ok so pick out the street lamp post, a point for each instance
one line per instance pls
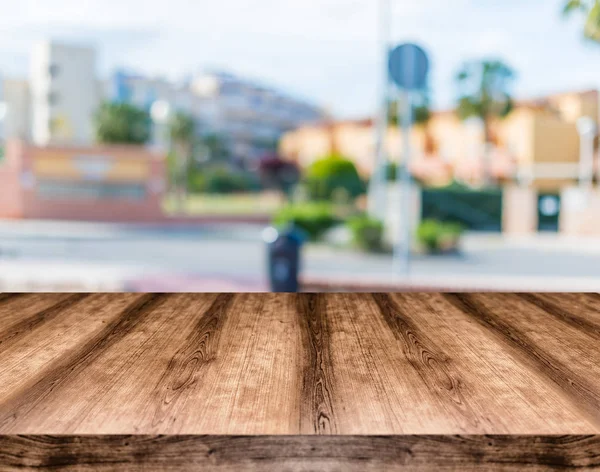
(377, 185)
(160, 112)
(587, 132)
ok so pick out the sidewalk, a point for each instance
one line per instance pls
(83, 256)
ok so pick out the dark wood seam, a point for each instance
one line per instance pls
(15, 332)
(65, 368)
(575, 388)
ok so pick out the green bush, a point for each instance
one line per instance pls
(333, 176)
(437, 236)
(314, 218)
(391, 171)
(221, 180)
(367, 233)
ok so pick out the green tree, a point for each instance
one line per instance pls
(121, 123)
(591, 10)
(484, 92)
(334, 177)
(215, 147)
(182, 131)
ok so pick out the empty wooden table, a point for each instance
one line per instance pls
(300, 381)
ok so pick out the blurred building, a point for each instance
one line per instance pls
(150, 94)
(249, 116)
(537, 143)
(106, 183)
(15, 109)
(64, 93)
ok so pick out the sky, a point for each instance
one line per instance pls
(325, 51)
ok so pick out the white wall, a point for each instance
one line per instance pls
(64, 92)
(17, 122)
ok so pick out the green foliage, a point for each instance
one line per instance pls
(216, 148)
(474, 209)
(314, 218)
(330, 177)
(367, 233)
(121, 123)
(218, 180)
(437, 236)
(484, 89)
(591, 10)
(182, 128)
(392, 170)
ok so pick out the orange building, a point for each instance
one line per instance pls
(528, 144)
(100, 183)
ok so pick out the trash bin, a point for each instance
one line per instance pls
(283, 252)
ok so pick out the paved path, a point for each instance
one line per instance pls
(151, 257)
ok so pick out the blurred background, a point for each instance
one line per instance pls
(202, 146)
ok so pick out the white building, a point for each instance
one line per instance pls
(64, 93)
(17, 114)
(58, 103)
(147, 92)
(250, 116)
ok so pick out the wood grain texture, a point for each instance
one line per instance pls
(300, 453)
(300, 364)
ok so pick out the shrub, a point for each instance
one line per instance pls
(278, 173)
(221, 180)
(367, 233)
(333, 175)
(313, 218)
(437, 236)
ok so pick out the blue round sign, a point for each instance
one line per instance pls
(408, 66)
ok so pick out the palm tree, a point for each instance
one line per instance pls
(421, 116)
(484, 93)
(591, 9)
(182, 130)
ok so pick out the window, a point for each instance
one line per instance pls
(53, 98)
(90, 190)
(53, 70)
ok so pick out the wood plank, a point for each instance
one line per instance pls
(566, 355)
(314, 364)
(20, 314)
(32, 399)
(476, 377)
(37, 349)
(300, 453)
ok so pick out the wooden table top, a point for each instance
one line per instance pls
(272, 364)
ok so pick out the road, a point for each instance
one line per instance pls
(107, 255)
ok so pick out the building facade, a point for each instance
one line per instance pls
(249, 116)
(64, 93)
(100, 183)
(15, 109)
(537, 143)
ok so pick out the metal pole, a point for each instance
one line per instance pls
(403, 241)
(587, 132)
(377, 184)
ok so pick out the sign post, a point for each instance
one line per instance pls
(408, 67)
